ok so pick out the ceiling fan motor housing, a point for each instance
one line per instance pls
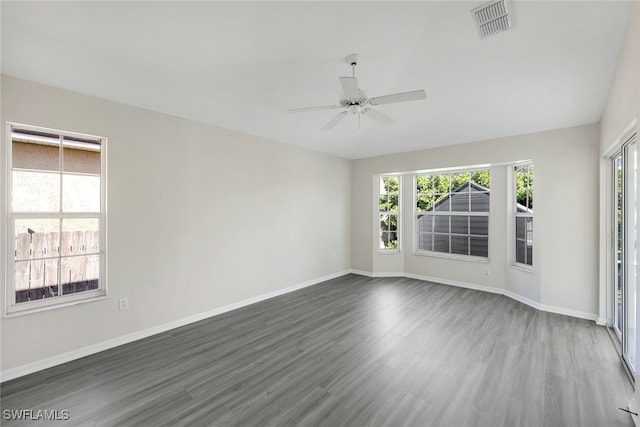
(350, 102)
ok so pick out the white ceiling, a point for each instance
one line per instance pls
(241, 65)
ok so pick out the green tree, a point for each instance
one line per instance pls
(431, 189)
(524, 185)
(388, 202)
(389, 194)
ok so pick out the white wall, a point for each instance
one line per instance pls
(619, 121)
(623, 103)
(198, 218)
(565, 223)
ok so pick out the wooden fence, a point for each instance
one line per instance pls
(37, 259)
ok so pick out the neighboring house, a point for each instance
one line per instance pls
(461, 196)
(458, 233)
(524, 235)
(440, 232)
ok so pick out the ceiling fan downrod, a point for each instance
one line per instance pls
(353, 61)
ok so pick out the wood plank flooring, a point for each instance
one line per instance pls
(353, 351)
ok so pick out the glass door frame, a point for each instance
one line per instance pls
(617, 242)
(621, 160)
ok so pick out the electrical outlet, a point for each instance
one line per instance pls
(124, 303)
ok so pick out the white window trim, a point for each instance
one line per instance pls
(515, 214)
(383, 251)
(11, 308)
(424, 252)
(460, 257)
(522, 267)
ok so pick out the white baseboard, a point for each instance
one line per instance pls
(539, 306)
(552, 308)
(520, 298)
(59, 359)
(362, 272)
(399, 274)
(454, 283)
(569, 312)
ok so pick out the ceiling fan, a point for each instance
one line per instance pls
(355, 101)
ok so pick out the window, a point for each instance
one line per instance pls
(389, 213)
(56, 217)
(452, 213)
(523, 175)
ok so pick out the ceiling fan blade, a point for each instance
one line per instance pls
(322, 107)
(335, 120)
(398, 97)
(350, 87)
(379, 117)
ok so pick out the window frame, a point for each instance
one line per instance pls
(397, 213)
(515, 214)
(416, 212)
(11, 307)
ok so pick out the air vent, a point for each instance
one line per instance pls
(492, 18)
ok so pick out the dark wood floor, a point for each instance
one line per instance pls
(353, 351)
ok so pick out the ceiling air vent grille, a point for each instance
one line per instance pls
(492, 18)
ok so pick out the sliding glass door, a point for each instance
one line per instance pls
(618, 278)
(629, 155)
(625, 231)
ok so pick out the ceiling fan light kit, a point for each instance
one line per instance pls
(356, 102)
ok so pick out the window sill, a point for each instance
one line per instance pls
(470, 258)
(23, 309)
(389, 251)
(523, 267)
